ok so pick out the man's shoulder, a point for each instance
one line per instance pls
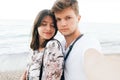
(88, 41)
(88, 36)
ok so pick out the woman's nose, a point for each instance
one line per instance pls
(48, 27)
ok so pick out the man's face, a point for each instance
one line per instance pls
(67, 21)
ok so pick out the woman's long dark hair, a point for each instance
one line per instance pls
(35, 42)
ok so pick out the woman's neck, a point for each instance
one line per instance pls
(40, 49)
(41, 44)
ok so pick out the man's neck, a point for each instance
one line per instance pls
(69, 39)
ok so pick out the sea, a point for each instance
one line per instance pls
(15, 36)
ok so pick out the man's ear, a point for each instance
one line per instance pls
(79, 17)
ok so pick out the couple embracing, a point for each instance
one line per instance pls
(53, 60)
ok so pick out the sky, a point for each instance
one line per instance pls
(99, 11)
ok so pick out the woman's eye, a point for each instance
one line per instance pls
(43, 24)
(52, 25)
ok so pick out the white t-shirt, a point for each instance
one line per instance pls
(74, 68)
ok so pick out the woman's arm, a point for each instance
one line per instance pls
(24, 75)
(53, 60)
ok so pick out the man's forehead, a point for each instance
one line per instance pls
(64, 13)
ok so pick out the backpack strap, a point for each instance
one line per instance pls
(41, 68)
(71, 46)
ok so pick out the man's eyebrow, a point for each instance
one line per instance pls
(58, 18)
(43, 21)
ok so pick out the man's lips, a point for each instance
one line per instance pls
(64, 29)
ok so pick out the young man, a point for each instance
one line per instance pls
(84, 49)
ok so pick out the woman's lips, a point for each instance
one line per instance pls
(48, 33)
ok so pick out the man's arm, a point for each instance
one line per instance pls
(93, 60)
(98, 67)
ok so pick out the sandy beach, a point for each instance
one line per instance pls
(108, 70)
(11, 75)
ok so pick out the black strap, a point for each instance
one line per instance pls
(71, 46)
(41, 69)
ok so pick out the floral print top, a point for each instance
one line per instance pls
(53, 62)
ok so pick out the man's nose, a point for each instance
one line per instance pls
(63, 23)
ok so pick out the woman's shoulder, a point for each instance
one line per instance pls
(54, 43)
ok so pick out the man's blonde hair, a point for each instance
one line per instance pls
(59, 5)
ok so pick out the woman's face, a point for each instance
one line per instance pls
(46, 30)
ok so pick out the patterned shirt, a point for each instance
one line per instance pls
(53, 61)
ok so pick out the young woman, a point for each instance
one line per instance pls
(46, 52)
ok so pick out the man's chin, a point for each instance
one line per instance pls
(66, 35)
